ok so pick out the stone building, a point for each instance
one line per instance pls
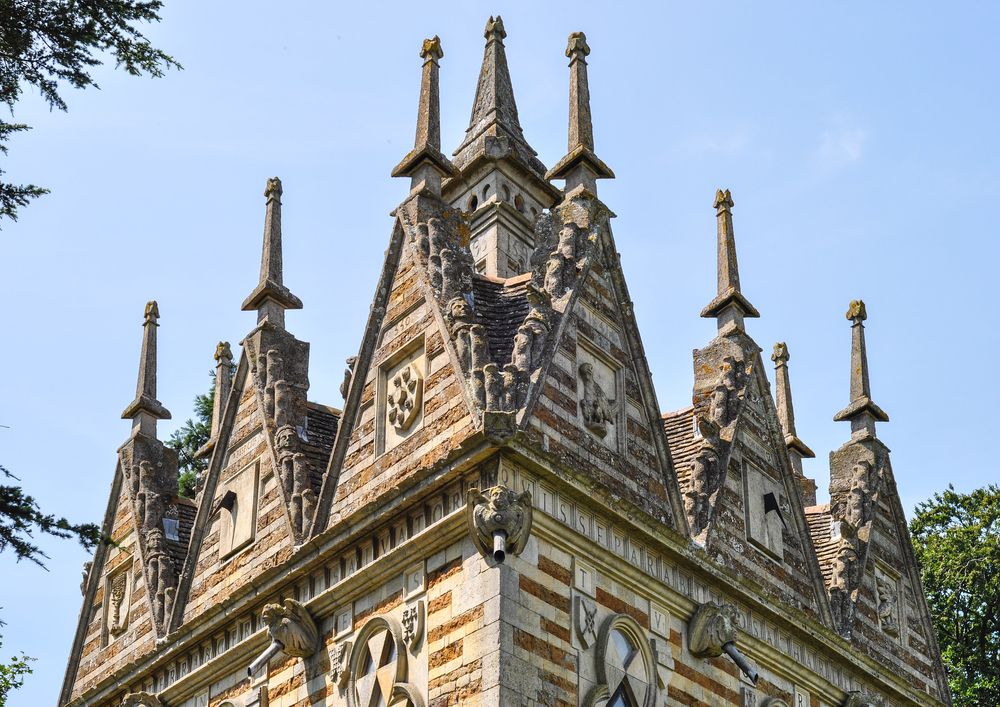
(501, 513)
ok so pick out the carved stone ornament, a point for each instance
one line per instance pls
(585, 620)
(291, 625)
(141, 699)
(339, 666)
(403, 397)
(859, 699)
(413, 625)
(499, 521)
(119, 601)
(887, 604)
(625, 665)
(712, 632)
(597, 409)
(378, 667)
(710, 628)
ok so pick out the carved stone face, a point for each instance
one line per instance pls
(459, 310)
(587, 372)
(285, 438)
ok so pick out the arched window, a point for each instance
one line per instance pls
(626, 668)
(473, 203)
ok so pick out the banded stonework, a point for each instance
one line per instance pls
(500, 513)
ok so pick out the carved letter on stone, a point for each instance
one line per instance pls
(403, 398)
(597, 409)
(499, 521)
(291, 625)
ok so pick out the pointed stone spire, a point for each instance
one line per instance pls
(729, 306)
(494, 128)
(425, 165)
(223, 385)
(797, 449)
(271, 298)
(145, 410)
(862, 412)
(580, 165)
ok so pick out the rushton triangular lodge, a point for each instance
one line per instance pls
(501, 514)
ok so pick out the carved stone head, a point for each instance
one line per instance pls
(286, 439)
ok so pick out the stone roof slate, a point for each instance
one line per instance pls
(501, 306)
(321, 429)
(679, 426)
(818, 518)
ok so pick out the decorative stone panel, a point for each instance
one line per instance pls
(401, 396)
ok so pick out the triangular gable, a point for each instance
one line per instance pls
(741, 495)
(243, 526)
(873, 578)
(116, 621)
(411, 401)
(591, 402)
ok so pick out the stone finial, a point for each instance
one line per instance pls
(494, 29)
(271, 298)
(729, 307)
(431, 49)
(580, 166)
(494, 127)
(424, 164)
(862, 412)
(145, 410)
(797, 449)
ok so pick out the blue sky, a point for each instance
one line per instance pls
(859, 141)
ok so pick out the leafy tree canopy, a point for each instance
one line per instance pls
(47, 43)
(957, 540)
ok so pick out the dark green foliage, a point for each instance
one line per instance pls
(957, 540)
(187, 440)
(46, 43)
(20, 518)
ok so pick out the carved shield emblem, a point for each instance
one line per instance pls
(403, 397)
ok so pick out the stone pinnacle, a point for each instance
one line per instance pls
(145, 410)
(580, 166)
(797, 449)
(729, 307)
(424, 164)
(271, 298)
(862, 412)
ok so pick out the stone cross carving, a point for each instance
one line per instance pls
(597, 408)
(499, 521)
(291, 625)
